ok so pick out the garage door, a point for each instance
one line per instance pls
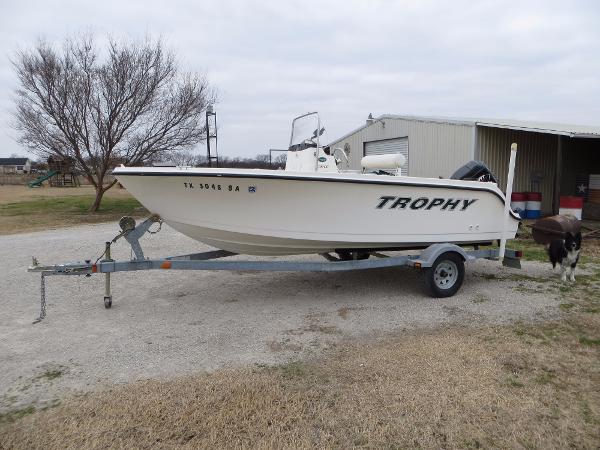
(398, 145)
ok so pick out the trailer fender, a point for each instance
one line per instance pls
(430, 254)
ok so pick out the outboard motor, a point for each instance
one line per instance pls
(474, 171)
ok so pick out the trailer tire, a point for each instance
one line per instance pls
(445, 277)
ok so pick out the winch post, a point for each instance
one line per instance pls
(133, 236)
(107, 294)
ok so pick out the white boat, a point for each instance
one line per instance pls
(314, 207)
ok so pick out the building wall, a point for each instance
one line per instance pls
(536, 152)
(8, 169)
(439, 148)
(26, 168)
(435, 148)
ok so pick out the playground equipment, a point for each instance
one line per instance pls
(65, 168)
(61, 173)
(39, 180)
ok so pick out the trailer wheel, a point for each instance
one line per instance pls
(107, 302)
(445, 277)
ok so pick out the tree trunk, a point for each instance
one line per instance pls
(99, 193)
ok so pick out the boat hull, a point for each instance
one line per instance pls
(278, 213)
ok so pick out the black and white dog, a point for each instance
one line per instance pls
(566, 253)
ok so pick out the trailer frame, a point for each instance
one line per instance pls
(430, 259)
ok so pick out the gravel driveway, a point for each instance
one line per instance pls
(165, 324)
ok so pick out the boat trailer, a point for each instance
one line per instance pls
(443, 263)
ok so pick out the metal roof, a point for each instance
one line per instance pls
(574, 131)
(13, 161)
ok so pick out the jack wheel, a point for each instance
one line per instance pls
(445, 277)
(107, 302)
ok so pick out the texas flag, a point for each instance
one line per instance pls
(582, 186)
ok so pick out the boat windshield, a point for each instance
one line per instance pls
(306, 130)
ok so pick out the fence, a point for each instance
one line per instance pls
(16, 179)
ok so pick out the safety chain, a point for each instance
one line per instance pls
(43, 280)
(42, 299)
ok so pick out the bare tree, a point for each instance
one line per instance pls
(280, 160)
(262, 158)
(128, 107)
(185, 157)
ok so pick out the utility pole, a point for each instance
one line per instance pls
(211, 113)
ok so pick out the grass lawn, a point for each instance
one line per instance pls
(27, 210)
(532, 251)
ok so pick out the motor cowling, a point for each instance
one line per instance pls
(474, 171)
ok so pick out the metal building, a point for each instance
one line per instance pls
(550, 159)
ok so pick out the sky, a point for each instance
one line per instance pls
(273, 60)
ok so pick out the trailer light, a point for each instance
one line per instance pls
(417, 265)
(519, 254)
(165, 265)
(94, 268)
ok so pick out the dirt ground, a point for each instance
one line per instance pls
(10, 194)
(276, 360)
(430, 389)
(172, 323)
